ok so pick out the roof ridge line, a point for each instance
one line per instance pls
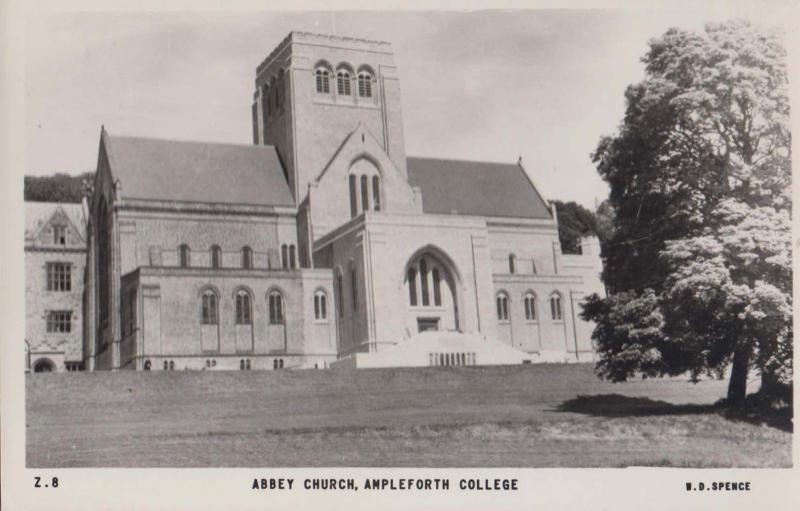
(460, 160)
(183, 141)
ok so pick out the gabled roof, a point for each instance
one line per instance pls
(171, 170)
(476, 188)
(37, 214)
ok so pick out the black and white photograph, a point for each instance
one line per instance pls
(312, 245)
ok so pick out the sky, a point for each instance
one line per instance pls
(484, 85)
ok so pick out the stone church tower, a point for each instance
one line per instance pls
(313, 90)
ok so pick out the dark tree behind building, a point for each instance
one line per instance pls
(575, 221)
(59, 187)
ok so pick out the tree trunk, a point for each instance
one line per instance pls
(737, 387)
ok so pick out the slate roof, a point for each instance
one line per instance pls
(170, 170)
(476, 188)
(38, 213)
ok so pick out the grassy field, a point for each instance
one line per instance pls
(520, 416)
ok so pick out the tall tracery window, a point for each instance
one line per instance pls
(364, 174)
(323, 81)
(364, 85)
(555, 307)
(429, 289)
(530, 306)
(243, 309)
(247, 258)
(209, 312)
(437, 287)
(216, 257)
(376, 193)
(353, 196)
(423, 282)
(184, 255)
(412, 286)
(343, 83)
(502, 306)
(275, 308)
(364, 193)
(320, 305)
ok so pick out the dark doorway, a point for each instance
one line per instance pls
(425, 324)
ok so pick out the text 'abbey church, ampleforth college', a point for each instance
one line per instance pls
(321, 245)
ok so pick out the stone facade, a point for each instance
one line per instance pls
(55, 261)
(348, 249)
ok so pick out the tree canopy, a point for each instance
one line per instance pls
(59, 187)
(698, 260)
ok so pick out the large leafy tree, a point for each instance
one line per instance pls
(698, 262)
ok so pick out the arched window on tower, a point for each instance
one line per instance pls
(284, 256)
(292, 257)
(502, 307)
(184, 256)
(555, 307)
(247, 258)
(376, 193)
(275, 308)
(216, 256)
(364, 85)
(512, 263)
(323, 80)
(343, 83)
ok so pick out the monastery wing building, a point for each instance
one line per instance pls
(323, 244)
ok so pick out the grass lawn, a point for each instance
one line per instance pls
(515, 416)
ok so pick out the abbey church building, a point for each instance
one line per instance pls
(323, 244)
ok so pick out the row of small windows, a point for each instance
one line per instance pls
(529, 302)
(209, 309)
(288, 257)
(344, 80)
(370, 195)
(451, 359)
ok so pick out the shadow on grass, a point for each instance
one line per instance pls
(616, 405)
